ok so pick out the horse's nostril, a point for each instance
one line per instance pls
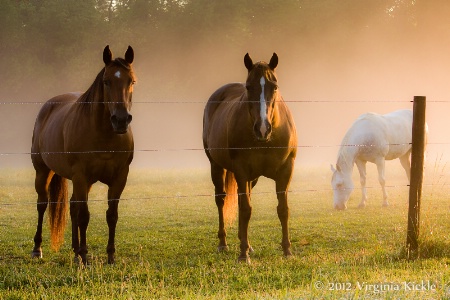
(269, 127)
(255, 127)
(123, 120)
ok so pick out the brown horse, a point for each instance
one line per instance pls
(248, 132)
(85, 138)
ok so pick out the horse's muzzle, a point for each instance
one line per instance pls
(120, 122)
(340, 206)
(262, 130)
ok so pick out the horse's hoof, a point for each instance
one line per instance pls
(78, 259)
(385, 204)
(111, 259)
(244, 259)
(362, 205)
(287, 253)
(36, 254)
(222, 248)
(250, 249)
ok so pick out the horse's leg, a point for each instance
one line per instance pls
(362, 179)
(74, 210)
(245, 212)
(81, 214)
(282, 185)
(218, 178)
(406, 164)
(381, 178)
(75, 228)
(42, 179)
(114, 192)
(254, 182)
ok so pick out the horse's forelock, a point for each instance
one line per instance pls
(122, 62)
(255, 80)
(260, 69)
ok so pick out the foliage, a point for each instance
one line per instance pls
(44, 41)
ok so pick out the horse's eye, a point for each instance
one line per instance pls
(106, 82)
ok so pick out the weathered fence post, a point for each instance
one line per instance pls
(415, 188)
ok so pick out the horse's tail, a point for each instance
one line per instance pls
(57, 210)
(231, 203)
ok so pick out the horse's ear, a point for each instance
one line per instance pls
(248, 62)
(129, 55)
(273, 61)
(332, 168)
(107, 55)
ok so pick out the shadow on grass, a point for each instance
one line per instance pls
(434, 249)
(430, 249)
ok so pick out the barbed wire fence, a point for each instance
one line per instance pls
(7, 154)
(195, 149)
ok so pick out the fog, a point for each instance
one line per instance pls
(331, 76)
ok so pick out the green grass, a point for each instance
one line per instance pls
(166, 243)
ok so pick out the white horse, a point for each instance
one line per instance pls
(374, 138)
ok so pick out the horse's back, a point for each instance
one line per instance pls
(389, 134)
(396, 126)
(56, 105)
(400, 120)
(54, 110)
(399, 133)
(49, 125)
(397, 122)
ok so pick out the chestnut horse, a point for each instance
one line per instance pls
(248, 132)
(85, 138)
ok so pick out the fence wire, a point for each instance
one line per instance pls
(207, 195)
(39, 103)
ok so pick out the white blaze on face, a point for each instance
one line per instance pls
(263, 108)
(117, 74)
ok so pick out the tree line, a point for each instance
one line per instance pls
(51, 46)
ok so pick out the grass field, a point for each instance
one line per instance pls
(166, 243)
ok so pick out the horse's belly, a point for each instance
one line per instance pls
(397, 151)
(107, 171)
(220, 155)
(251, 162)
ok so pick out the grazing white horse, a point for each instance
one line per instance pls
(374, 138)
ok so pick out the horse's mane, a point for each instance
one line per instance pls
(345, 153)
(95, 91)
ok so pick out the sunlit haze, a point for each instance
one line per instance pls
(335, 65)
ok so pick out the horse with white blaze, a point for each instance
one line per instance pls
(372, 138)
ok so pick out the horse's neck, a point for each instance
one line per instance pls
(279, 106)
(94, 94)
(91, 103)
(346, 158)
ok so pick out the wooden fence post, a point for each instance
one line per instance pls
(415, 188)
